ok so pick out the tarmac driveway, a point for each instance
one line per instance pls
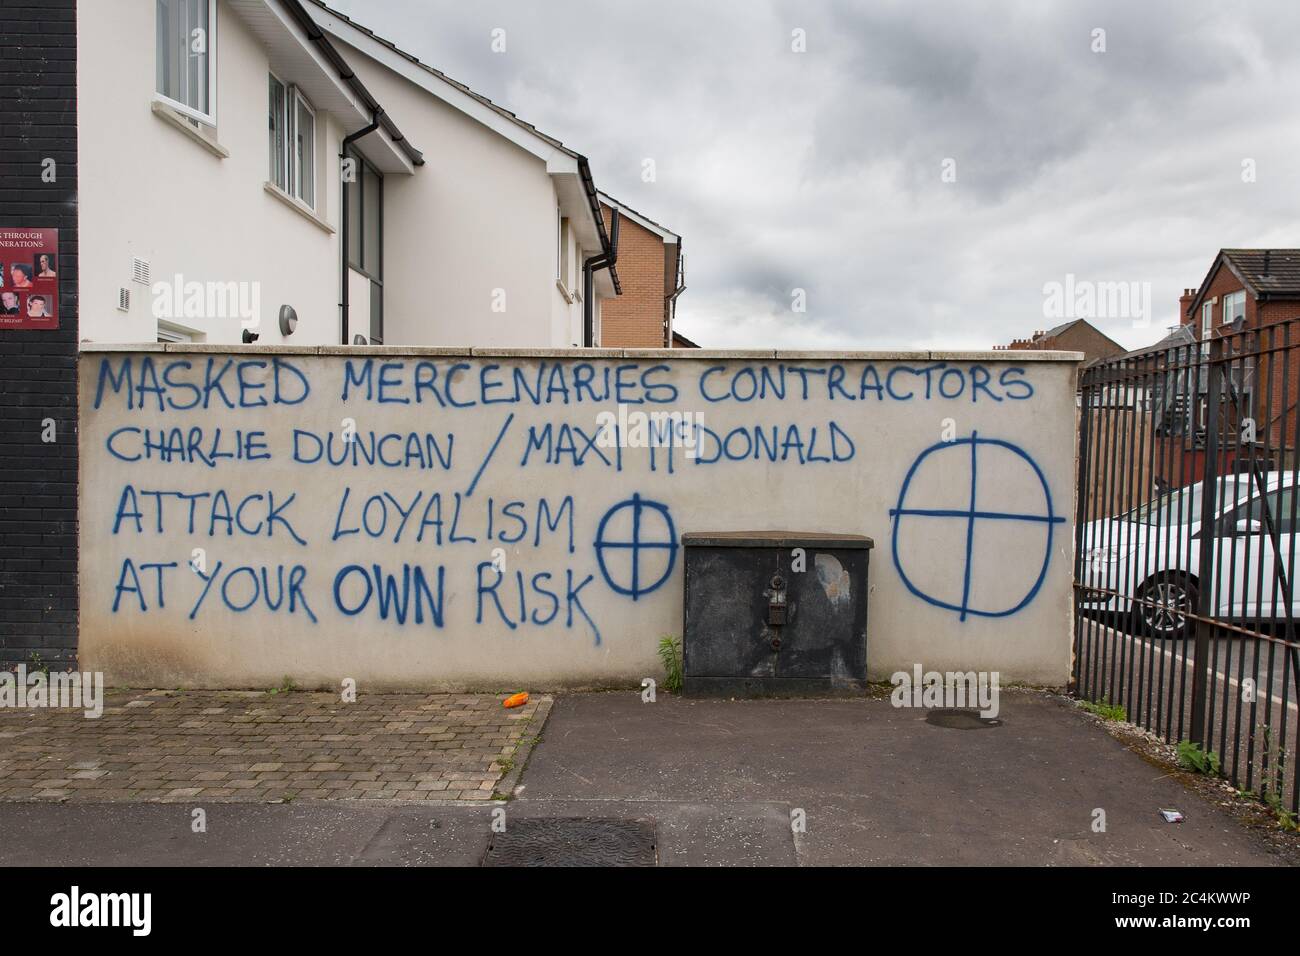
(878, 784)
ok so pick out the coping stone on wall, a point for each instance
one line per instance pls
(1008, 355)
(249, 349)
(868, 355)
(545, 352)
(418, 351)
(718, 353)
(120, 347)
(879, 355)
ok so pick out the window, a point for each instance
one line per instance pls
(172, 333)
(186, 57)
(1234, 307)
(565, 276)
(291, 130)
(278, 134)
(1281, 506)
(304, 152)
(352, 201)
(363, 212)
(1207, 326)
(1183, 505)
(370, 222)
(364, 196)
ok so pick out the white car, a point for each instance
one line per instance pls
(1152, 555)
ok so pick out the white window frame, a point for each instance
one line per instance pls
(173, 333)
(1233, 297)
(292, 188)
(559, 246)
(576, 270)
(283, 136)
(295, 96)
(209, 118)
(566, 255)
(1207, 325)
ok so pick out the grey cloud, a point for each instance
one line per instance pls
(821, 170)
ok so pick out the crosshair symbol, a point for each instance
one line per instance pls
(971, 516)
(638, 546)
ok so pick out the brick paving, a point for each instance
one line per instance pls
(255, 746)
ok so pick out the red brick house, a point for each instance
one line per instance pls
(1254, 291)
(1075, 336)
(1246, 299)
(652, 272)
(1257, 286)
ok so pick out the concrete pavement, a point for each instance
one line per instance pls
(722, 781)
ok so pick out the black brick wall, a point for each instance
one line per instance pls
(38, 369)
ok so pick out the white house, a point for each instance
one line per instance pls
(248, 163)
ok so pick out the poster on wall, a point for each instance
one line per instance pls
(29, 283)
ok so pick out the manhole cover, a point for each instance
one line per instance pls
(576, 841)
(957, 719)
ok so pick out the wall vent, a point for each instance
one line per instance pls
(140, 270)
(124, 300)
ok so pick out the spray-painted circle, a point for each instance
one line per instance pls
(967, 454)
(651, 533)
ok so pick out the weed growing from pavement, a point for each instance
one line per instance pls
(1192, 757)
(1159, 753)
(287, 686)
(1285, 818)
(1271, 792)
(37, 663)
(1104, 710)
(670, 653)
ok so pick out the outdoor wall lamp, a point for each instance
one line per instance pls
(288, 320)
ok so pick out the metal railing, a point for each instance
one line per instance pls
(1186, 549)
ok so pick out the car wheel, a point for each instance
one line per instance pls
(1168, 599)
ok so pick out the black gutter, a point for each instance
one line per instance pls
(601, 260)
(322, 43)
(593, 199)
(343, 232)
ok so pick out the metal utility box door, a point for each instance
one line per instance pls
(775, 612)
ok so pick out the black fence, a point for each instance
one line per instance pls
(1186, 549)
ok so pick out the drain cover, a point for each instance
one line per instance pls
(958, 719)
(573, 841)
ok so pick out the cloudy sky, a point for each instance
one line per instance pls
(824, 170)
